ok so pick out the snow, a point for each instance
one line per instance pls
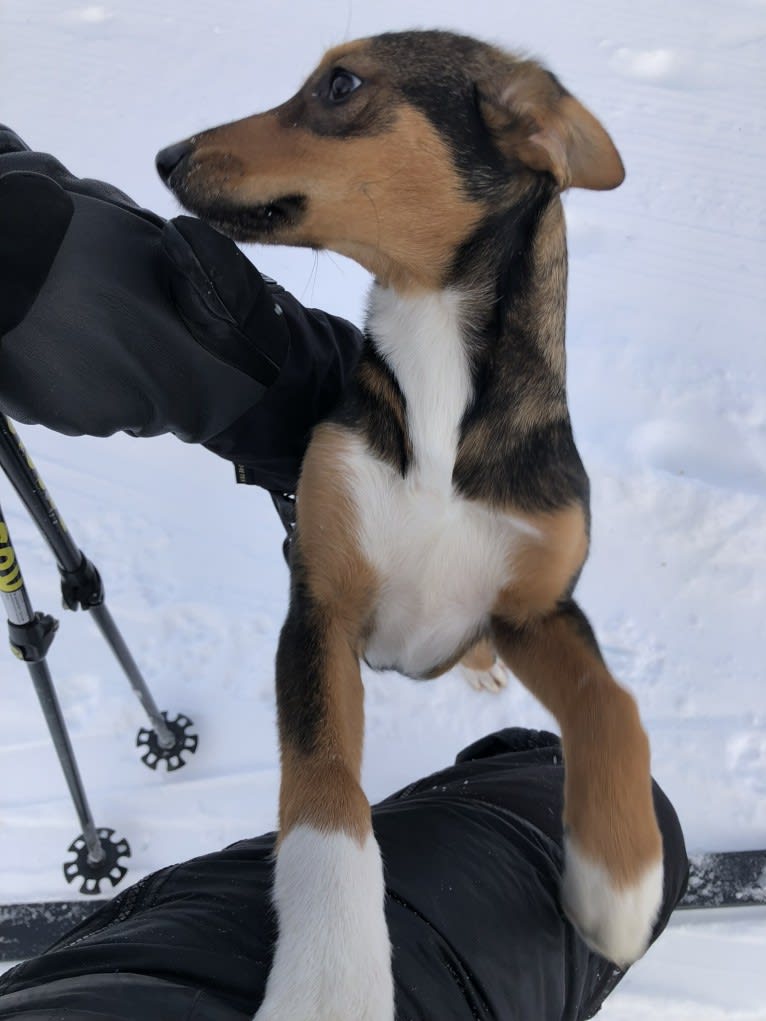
(705, 967)
(667, 367)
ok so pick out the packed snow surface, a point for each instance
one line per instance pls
(667, 374)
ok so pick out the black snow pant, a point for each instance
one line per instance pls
(473, 860)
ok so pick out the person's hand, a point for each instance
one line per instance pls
(219, 294)
(224, 301)
(112, 318)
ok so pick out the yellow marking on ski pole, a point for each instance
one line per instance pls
(10, 573)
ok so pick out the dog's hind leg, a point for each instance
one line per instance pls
(612, 885)
(482, 669)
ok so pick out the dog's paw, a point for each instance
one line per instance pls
(333, 957)
(493, 680)
(615, 921)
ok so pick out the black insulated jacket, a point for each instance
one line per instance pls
(473, 861)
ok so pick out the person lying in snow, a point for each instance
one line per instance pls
(473, 858)
(112, 318)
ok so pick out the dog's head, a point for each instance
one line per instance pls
(394, 152)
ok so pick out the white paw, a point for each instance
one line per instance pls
(333, 956)
(494, 679)
(615, 922)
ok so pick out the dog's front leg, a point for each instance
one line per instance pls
(333, 959)
(612, 885)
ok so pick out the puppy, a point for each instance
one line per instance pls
(442, 511)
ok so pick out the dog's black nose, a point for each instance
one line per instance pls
(168, 159)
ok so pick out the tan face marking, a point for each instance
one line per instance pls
(434, 133)
(343, 52)
(392, 202)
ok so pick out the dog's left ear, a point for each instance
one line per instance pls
(537, 122)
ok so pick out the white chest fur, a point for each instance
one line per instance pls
(441, 559)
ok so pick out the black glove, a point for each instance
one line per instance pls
(113, 319)
(25, 268)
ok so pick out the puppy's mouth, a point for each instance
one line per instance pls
(244, 222)
(207, 186)
(252, 223)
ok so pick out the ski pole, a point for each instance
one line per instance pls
(31, 635)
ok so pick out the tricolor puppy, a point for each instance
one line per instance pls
(443, 509)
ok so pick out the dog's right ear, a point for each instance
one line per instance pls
(535, 121)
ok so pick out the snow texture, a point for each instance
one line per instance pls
(667, 366)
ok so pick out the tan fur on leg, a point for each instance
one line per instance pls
(613, 882)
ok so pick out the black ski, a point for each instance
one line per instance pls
(726, 879)
(27, 929)
(718, 880)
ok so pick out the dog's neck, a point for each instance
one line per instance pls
(506, 289)
(422, 340)
(465, 387)
(514, 274)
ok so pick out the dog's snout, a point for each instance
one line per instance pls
(168, 159)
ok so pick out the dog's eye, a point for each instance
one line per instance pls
(342, 84)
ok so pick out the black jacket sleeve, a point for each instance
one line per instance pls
(113, 319)
(268, 441)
